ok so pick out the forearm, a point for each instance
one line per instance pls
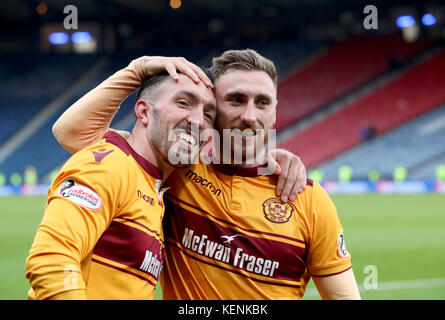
(339, 287)
(87, 120)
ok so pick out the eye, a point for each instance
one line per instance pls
(237, 100)
(183, 103)
(209, 116)
(263, 103)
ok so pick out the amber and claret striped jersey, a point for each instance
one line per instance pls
(228, 236)
(101, 234)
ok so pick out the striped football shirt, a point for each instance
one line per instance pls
(228, 236)
(101, 235)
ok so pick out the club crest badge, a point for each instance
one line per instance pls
(277, 211)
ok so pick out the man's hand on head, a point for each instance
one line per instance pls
(173, 65)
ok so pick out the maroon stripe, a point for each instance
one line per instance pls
(238, 171)
(125, 271)
(121, 143)
(141, 225)
(235, 225)
(309, 182)
(184, 227)
(127, 245)
(331, 274)
(230, 270)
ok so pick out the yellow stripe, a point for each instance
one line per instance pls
(123, 266)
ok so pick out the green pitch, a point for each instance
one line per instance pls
(402, 237)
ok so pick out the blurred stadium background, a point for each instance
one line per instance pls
(364, 109)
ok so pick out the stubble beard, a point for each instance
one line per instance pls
(159, 135)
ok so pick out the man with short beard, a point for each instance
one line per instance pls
(101, 236)
(228, 236)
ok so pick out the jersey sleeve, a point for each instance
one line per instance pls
(327, 254)
(88, 119)
(81, 203)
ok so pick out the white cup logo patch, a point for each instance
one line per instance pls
(342, 251)
(79, 194)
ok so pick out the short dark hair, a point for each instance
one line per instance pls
(151, 83)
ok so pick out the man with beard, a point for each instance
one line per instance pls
(228, 236)
(101, 236)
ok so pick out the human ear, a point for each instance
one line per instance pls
(141, 110)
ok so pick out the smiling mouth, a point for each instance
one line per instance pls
(187, 139)
(247, 134)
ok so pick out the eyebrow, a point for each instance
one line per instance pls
(189, 94)
(211, 106)
(240, 94)
(265, 97)
(234, 94)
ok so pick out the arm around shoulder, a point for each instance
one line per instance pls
(88, 119)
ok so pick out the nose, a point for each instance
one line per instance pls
(248, 116)
(196, 118)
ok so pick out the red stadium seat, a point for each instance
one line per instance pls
(386, 107)
(342, 68)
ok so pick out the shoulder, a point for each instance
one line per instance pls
(314, 200)
(322, 206)
(101, 156)
(100, 166)
(315, 191)
(92, 176)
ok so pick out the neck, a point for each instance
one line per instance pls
(143, 146)
(229, 159)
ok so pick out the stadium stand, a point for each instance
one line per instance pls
(29, 82)
(384, 108)
(339, 70)
(41, 149)
(428, 171)
(410, 145)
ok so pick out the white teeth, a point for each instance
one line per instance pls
(187, 138)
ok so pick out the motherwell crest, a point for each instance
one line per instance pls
(276, 211)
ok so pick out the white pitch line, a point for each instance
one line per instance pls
(392, 285)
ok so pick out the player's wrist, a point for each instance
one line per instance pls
(138, 66)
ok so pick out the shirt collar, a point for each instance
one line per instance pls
(121, 143)
(238, 171)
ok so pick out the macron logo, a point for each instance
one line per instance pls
(146, 198)
(99, 156)
(203, 182)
